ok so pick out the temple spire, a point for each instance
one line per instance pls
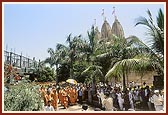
(114, 13)
(104, 18)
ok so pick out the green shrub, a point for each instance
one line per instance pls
(46, 74)
(22, 97)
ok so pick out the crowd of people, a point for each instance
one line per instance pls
(51, 96)
(103, 97)
(134, 98)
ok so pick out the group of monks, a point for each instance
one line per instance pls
(65, 96)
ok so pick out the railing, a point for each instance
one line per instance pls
(19, 61)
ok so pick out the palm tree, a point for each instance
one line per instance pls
(121, 68)
(94, 73)
(91, 45)
(156, 36)
(71, 54)
(144, 64)
(57, 57)
(67, 55)
(77, 49)
(37, 70)
(122, 55)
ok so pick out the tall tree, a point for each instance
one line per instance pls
(71, 54)
(91, 45)
(122, 55)
(156, 36)
(57, 57)
(76, 51)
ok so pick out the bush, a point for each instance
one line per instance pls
(46, 74)
(22, 97)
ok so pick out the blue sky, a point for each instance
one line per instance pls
(33, 28)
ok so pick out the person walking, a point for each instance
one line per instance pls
(65, 98)
(146, 97)
(80, 95)
(90, 95)
(47, 98)
(151, 102)
(120, 99)
(49, 107)
(108, 102)
(158, 101)
(126, 100)
(54, 100)
(131, 99)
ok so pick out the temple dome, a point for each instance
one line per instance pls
(117, 29)
(106, 30)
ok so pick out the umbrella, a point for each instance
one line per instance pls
(72, 81)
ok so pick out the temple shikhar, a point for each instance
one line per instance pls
(106, 34)
(107, 31)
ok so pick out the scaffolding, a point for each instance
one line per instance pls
(19, 61)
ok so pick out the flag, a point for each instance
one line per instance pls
(103, 12)
(113, 11)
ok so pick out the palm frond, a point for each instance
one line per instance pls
(69, 38)
(160, 19)
(50, 51)
(134, 64)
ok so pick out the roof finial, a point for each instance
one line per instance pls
(103, 14)
(113, 13)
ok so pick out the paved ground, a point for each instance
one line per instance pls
(76, 107)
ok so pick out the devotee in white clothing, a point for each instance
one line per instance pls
(108, 103)
(158, 101)
(120, 99)
(49, 107)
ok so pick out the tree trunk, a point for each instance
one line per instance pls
(56, 74)
(127, 79)
(71, 71)
(124, 86)
(93, 86)
(71, 64)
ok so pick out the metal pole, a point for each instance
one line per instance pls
(21, 60)
(28, 62)
(10, 58)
